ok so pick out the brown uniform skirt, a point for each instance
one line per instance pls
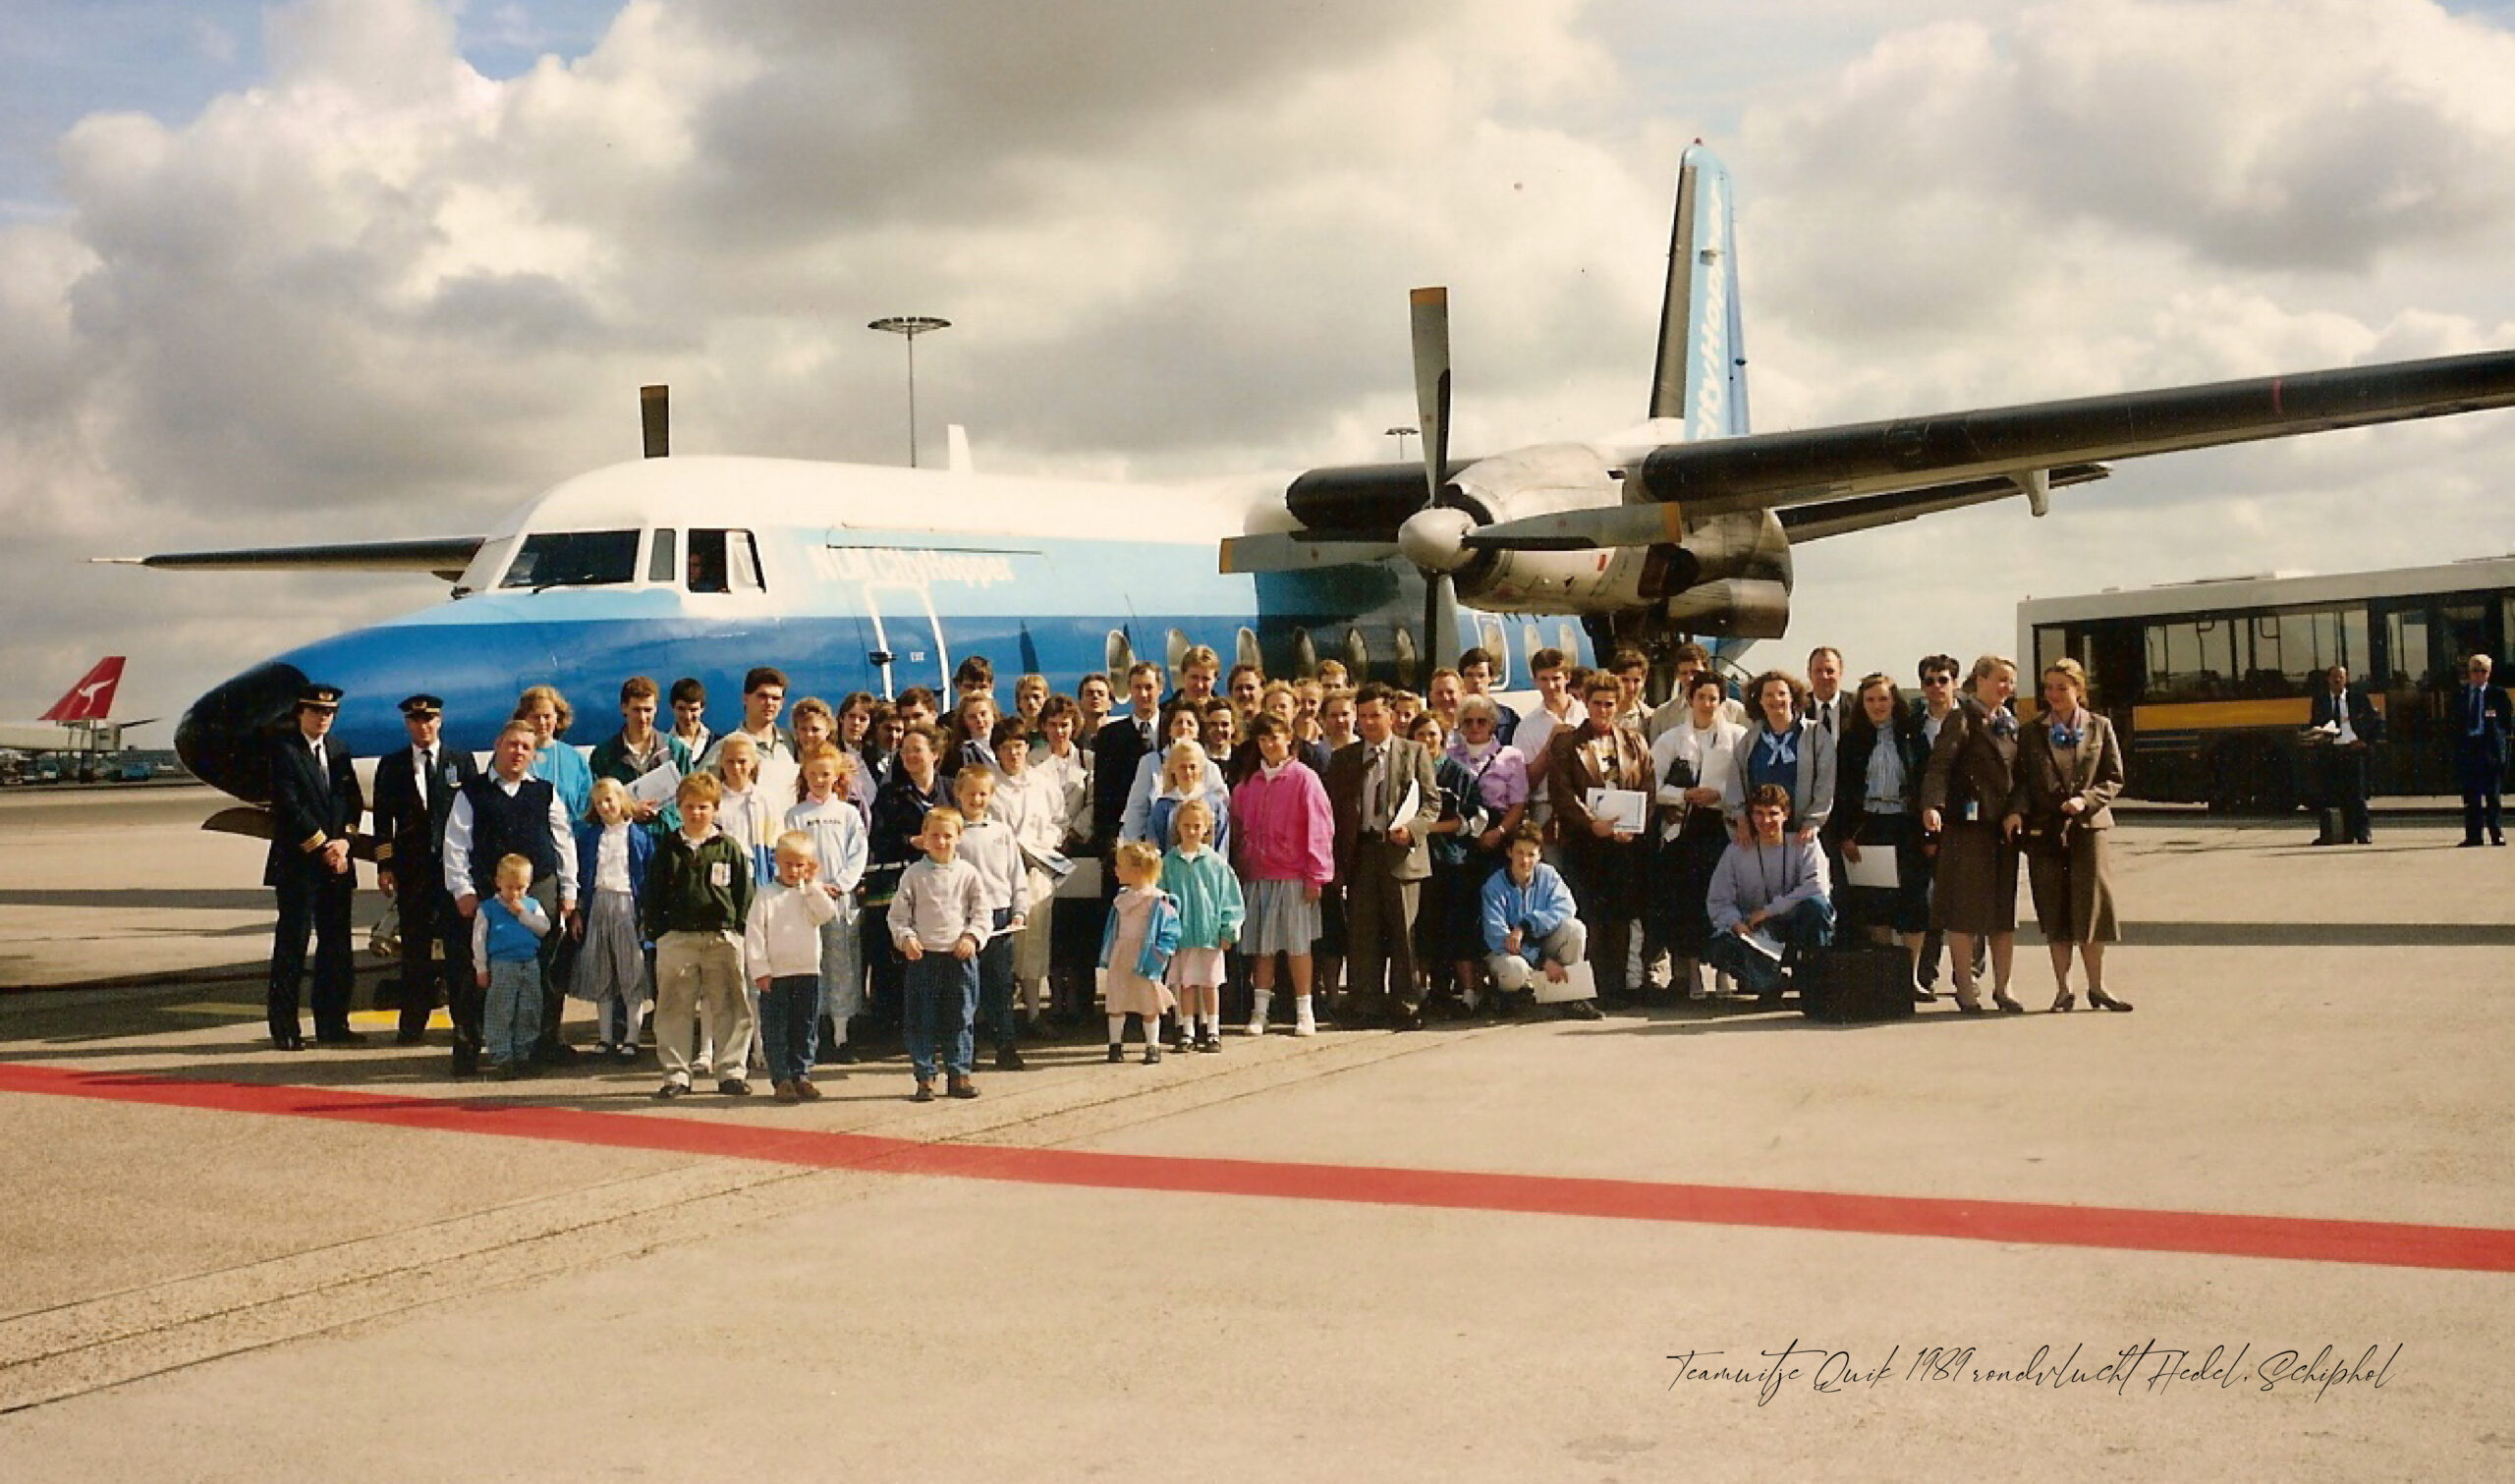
(1974, 887)
(2073, 891)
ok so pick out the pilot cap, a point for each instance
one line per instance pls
(322, 697)
(422, 705)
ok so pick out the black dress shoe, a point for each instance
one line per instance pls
(1403, 1019)
(1580, 1009)
(341, 1037)
(288, 1043)
(410, 1038)
(554, 1052)
(466, 1061)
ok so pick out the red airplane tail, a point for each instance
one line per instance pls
(92, 698)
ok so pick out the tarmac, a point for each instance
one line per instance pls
(2264, 1227)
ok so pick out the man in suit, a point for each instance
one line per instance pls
(415, 791)
(1381, 860)
(2481, 723)
(1604, 864)
(1122, 744)
(1828, 708)
(316, 807)
(2356, 726)
(507, 812)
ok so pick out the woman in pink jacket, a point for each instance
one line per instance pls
(1285, 838)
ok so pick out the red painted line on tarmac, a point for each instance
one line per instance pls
(2397, 1244)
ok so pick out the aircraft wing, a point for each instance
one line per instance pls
(1835, 518)
(1921, 454)
(443, 556)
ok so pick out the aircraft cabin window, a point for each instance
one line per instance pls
(574, 558)
(724, 561)
(663, 558)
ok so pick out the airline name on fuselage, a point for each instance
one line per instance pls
(911, 566)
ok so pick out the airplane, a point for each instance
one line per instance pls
(865, 577)
(79, 724)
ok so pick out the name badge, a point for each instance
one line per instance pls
(451, 780)
(720, 874)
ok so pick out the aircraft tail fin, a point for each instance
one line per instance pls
(1701, 378)
(91, 699)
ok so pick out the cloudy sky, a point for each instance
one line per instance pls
(343, 269)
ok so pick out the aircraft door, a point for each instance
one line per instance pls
(907, 639)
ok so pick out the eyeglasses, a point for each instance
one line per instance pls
(1938, 680)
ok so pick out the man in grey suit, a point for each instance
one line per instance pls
(1384, 797)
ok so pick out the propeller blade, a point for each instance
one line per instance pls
(1430, 313)
(1286, 551)
(1440, 623)
(1581, 530)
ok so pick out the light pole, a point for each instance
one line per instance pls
(1401, 434)
(909, 327)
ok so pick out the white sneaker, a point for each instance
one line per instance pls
(1257, 1026)
(1305, 1026)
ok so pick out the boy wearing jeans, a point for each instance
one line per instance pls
(939, 921)
(783, 945)
(699, 892)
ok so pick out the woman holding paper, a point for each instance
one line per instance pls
(1602, 783)
(2069, 768)
(1875, 824)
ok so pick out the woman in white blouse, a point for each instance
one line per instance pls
(1696, 762)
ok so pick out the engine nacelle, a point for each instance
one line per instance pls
(1742, 608)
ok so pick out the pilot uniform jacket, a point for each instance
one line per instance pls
(308, 810)
(410, 827)
(2068, 875)
(1971, 773)
(1409, 763)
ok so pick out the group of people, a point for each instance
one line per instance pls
(823, 876)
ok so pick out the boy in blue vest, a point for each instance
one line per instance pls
(505, 941)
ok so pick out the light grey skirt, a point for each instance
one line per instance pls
(1279, 919)
(611, 964)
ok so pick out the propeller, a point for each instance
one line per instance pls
(1438, 528)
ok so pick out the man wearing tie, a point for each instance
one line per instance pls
(415, 791)
(2482, 722)
(1384, 797)
(1826, 703)
(315, 806)
(2355, 727)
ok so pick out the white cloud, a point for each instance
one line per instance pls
(381, 294)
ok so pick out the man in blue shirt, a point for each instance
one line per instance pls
(2482, 721)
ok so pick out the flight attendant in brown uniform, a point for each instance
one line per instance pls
(2069, 770)
(1965, 798)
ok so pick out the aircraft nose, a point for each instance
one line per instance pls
(223, 737)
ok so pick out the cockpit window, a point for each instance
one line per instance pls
(574, 558)
(723, 561)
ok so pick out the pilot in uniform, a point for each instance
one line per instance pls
(415, 790)
(315, 806)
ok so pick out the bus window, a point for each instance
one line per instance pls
(2050, 644)
(662, 561)
(724, 561)
(2406, 640)
(574, 558)
(2191, 660)
(2294, 646)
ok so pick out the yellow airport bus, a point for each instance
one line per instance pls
(2210, 682)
